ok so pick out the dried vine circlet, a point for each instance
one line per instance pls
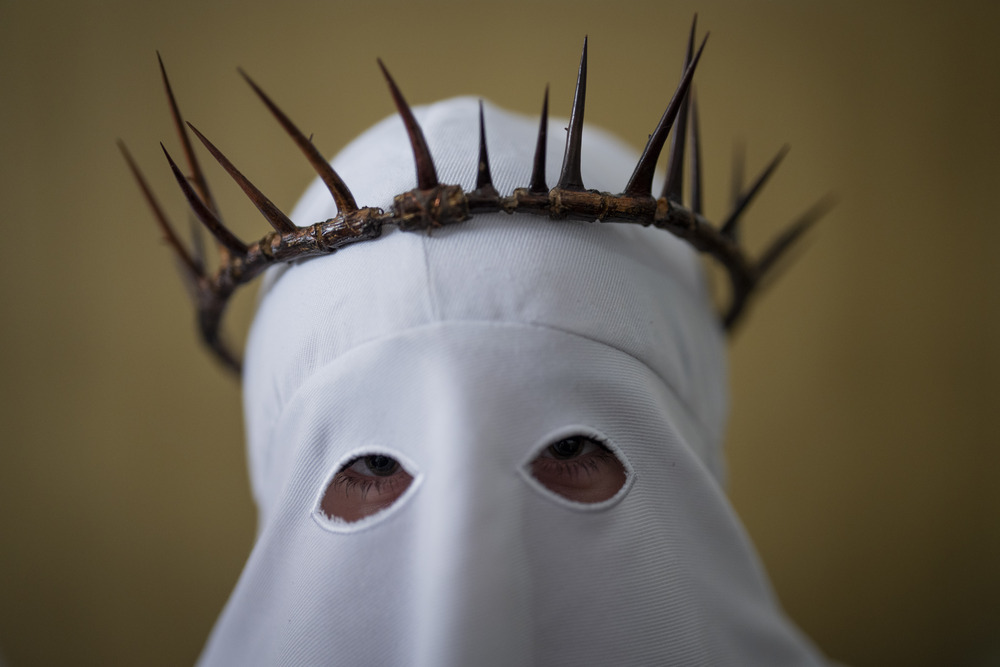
(432, 204)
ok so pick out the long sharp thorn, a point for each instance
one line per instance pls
(338, 189)
(197, 242)
(483, 177)
(426, 174)
(208, 322)
(569, 176)
(229, 359)
(538, 185)
(193, 267)
(729, 227)
(673, 186)
(736, 176)
(272, 213)
(696, 190)
(641, 183)
(793, 233)
(197, 175)
(207, 217)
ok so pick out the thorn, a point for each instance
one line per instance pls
(736, 177)
(483, 176)
(729, 227)
(538, 185)
(205, 214)
(696, 189)
(197, 175)
(338, 189)
(569, 177)
(193, 267)
(641, 183)
(197, 242)
(426, 175)
(230, 360)
(208, 322)
(674, 185)
(278, 220)
(793, 233)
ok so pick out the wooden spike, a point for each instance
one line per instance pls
(193, 267)
(696, 175)
(730, 226)
(483, 176)
(538, 185)
(674, 185)
(641, 183)
(338, 189)
(569, 176)
(272, 213)
(228, 358)
(205, 214)
(197, 242)
(736, 174)
(793, 233)
(426, 174)
(197, 175)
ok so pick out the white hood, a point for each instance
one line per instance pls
(463, 354)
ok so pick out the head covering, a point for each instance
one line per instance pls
(463, 354)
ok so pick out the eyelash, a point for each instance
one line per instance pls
(351, 481)
(573, 468)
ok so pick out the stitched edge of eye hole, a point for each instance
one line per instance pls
(338, 525)
(524, 468)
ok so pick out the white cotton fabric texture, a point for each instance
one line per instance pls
(462, 354)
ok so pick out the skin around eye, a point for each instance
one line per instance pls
(580, 469)
(364, 486)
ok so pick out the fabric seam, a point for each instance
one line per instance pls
(695, 417)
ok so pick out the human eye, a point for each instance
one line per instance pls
(364, 486)
(579, 468)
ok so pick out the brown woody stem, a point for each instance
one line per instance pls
(422, 210)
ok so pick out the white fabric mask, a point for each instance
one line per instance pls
(463, 355)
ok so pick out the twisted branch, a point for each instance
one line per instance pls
(432, 204)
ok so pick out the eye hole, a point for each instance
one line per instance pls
(580, 469)
(364, 486)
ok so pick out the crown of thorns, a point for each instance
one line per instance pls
(433, 204)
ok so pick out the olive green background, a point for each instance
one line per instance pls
(863, 442)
